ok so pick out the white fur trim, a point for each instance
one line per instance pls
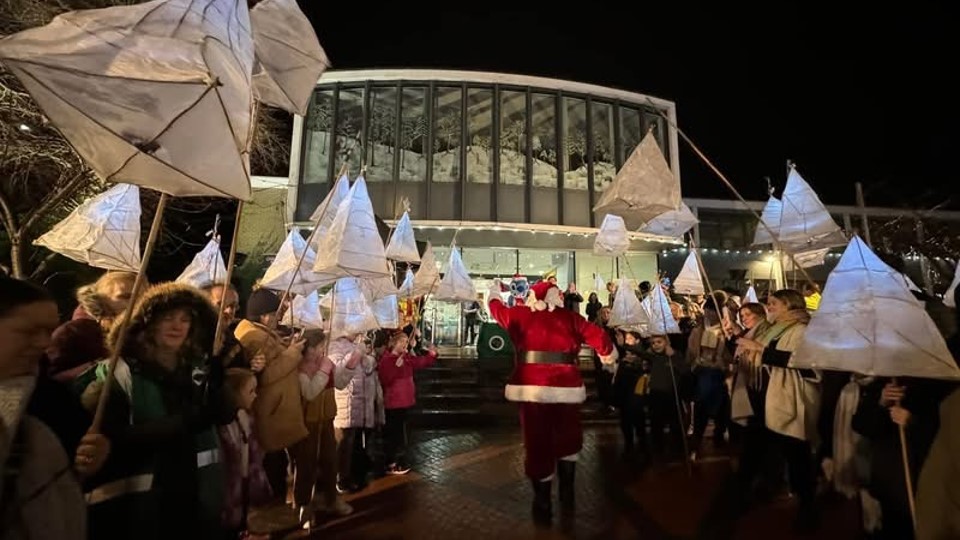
(571, 457)
(610, 358)
(545, 394)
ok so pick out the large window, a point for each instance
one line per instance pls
(576, 203)
(446, 135)
(381, 136)
(316, 131)
(349, 129)
(630, 133)
(413, 134)
(513, 137)
(479, 135)
(504, 153)
(512, 192)
(604, 165)
(575, 144)
(543, 108)
(654, 122)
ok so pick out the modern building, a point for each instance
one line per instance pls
(508, 166)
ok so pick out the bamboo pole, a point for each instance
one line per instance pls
(138, 286)
(736, 193)
(231, 261)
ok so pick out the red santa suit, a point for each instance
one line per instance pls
(546, 380)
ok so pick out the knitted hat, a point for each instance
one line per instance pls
(262, 302)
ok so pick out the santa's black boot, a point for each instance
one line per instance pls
(542, 510)
(566, 470)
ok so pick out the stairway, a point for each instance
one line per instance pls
(461, 390)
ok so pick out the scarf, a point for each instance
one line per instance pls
(765, 332)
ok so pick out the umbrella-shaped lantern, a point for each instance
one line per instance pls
(289, 56)
(157, 94)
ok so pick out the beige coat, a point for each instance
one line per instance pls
(278, 409)
(793, 402)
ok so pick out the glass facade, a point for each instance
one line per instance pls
(577, 266)
(470, 151)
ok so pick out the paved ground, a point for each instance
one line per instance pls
(469, 485)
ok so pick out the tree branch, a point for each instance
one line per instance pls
(54, 199)
(9, 218)
(42, 266)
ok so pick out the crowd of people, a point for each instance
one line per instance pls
(190, 440)
(805, 430)
(195, 433)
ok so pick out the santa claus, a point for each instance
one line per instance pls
(546, 382)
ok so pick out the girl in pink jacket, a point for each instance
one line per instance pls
(399, 394)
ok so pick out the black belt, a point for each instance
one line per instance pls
(542, 357)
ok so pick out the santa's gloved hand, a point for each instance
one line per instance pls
(494, 291)
(610, 359)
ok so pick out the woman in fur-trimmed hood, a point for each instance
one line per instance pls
(165, 404)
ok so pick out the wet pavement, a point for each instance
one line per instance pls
(470, 484)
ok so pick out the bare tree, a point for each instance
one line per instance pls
(42, 178)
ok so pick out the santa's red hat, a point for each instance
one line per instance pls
(541, 287)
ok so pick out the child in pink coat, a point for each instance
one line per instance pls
(399, 394)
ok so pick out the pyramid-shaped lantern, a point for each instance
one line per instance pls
(456, 285)
(770, 217)
(403, 245)
(627, 311)
(385, 307)
(751, 296)
(870, 323)
(599, 285)
(304, 312)
(103, 232)
(644, 188)
(326, 211)
(289, 57)
(690, 280)
(406, 288)
(350, 310)
(282, 272)
(428, 275)
(353, 246)
(612, 239)
(661, 318)
(207, 266)
(805, 223)
(377, 288)
(672, 223)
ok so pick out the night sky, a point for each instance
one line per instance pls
(848, 96)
